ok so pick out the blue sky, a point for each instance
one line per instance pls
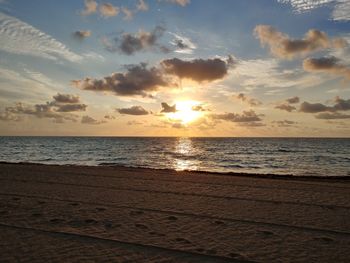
(47, 45)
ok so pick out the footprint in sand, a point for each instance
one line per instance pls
(91, 221)
(56, 220)
(183, 240)
(141, 226)
(324, 239)
(266, 233)
(36, 214)
(136, 213)
(234, 255)
(109, 225)
(218, 222)
(211, 251)
(152, 233)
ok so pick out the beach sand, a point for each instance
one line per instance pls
(104, 214)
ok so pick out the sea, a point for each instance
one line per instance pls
(280, 156)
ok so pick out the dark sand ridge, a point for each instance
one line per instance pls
(77, 213)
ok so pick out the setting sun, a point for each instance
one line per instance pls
(185, 112)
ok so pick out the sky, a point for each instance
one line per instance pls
(243, 68)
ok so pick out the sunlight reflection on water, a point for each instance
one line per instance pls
(184, 149)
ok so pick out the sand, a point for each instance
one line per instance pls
(118, 214)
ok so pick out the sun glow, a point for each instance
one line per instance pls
(185, 112)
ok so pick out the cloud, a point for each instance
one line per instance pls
(329, 65)
(108, 10)
(314, 107)
(246, 116)
(82, 34)
(252, 102)
(199, 108)
(128, 14)
(179, 2)
(281, 45)
(285, 123)
(182, 44)
(39, 111)
(270, 74)
(286, 107)
(90, 7)
(293, 100)
(332, 116)
(18, 37)
(66, 98)
(134, 123)
(166, 108)
(60, 109)
(142, 41)
(198, 69)
(70, 107)
(138, 80)
(141, 6)
(339, 105)
(134, 110)
(9, 116)
(109, 117)
(340, 8)
(89, 120)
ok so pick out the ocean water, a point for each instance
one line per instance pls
(292, 156)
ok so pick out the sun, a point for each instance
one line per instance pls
(185, 112)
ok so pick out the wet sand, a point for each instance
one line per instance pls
(103, 214)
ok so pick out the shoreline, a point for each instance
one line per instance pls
(330, 178)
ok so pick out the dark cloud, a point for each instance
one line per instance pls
(39, 111)
(109, 117)
(332, 116)
(246, 116)
(252, 102)
(198, 69)
(134, 110)
(82, 34)
(59, 110)
(70, 107)
(134, 123)
(166, 108)
(314, 107)
(142, 41)
(339, 105)
(181, 44)
(89, 120)
(285, 123)
(199, 108)
(329, 65)
(281, 45)
(66, 98)
(138, 80)
(178, 125)
(286, 107)
(293, 100)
